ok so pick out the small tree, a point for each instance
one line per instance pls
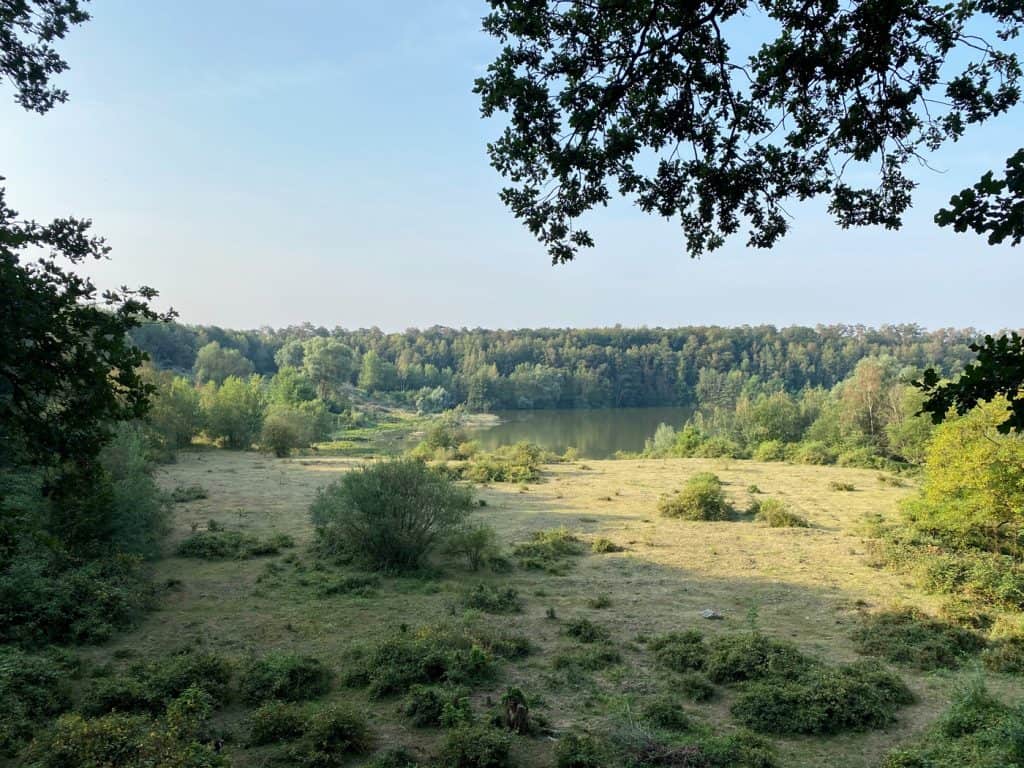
(390, 515)
(217, 363)
(234, 411)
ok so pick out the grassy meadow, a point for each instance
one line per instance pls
(807, 585)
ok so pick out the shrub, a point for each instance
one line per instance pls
(490, 599)
(389, 515)
(437, 706)
(665, 712)
(586, 631)
(770, 450)
(224, 545)
(432, 654)
(701, 499)
(1005, 655)
(910, 637)
(822, 700)
(601, 546)
(814, 452)
(477, 543)
(578, 751)
(361, 585)
(286, 429)
(166, 679)
(547, 550)
(394, 757)
(591, 659)
(476, 747)
(186, 493)
(680, 651)
(775, 514)
(694, 686)
(32, 689)
(519, 463)
(276, 721)
(836, 485)
(750, 656)
(284, 676)
(331, 736)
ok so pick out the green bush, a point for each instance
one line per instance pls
(548, 550)
(1005, 655)
(822, 700)
(389, 515)
(910, 637)
(602, 546)
(836, 485)
(477, 543)
(701, 499)
(361, 585)
(775, 514)
(585, 631)
(665, 712)
(431, 706)
(814, 452)
(519, 463)
(680, 651)
(590, 659)
(33, 688)
(580, 751)
(770, 450)
(694, 686)
(274, 722)
(231, 545)
(751, 656)
(185, 493)
(331, 736)
(490, 599)
(286, 677)
(394, 757)
(476, 747)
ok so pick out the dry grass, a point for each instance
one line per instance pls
(806, 585)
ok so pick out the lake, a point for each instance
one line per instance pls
(596, 434)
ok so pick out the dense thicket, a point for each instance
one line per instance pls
(547, 368)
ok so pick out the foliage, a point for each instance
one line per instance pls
(580, 751)
(476, 747)
(836, 485)
(274, 722)
(694, 686)
(1005, 655)
(284, 676)
(33, 688)
(234, 411)
(701, 499)
(488, 599)
(992, 205)
(477, 543)
(331, 736)
(665, 712)
(389, 515)
(225, 545)
(776, 514)
(591, 658)
(519, 463)
(175, 414)
(602, 546)
(216, 363)
(751, 656)
(286, 429)
(910, 637)
(432, 706)
(584, 630)
(599, 96)
(680, 651)
(186, 493)
(548, 550)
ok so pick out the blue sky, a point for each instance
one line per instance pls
(272, 162)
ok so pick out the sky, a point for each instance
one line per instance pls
(273, 162)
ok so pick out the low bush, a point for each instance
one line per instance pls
(771, 450)
(580, 751)
(702, 498)
(285, 677)
(519, 463)
(601, 546)
(590, 659)
(390, 515)
(331, 736)
(836, 485)
(814, 452)
(751, 656)
(548, 550)
(478, 544)
(227, 545)
(680, 651)
(822, 700)
(33, 688)
(490, 599)
(185, 493)
(394, 757)
(775, 514)
(585, 631)
(1005, 655)
(430, 655)
(476, 747)
(665, 712)
(432, 706)
(978, 731)
(694, 686)
(360, 585)
(910, 637)
(274, 722)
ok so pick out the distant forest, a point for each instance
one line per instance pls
(440, 367)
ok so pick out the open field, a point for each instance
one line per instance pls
(805, 585)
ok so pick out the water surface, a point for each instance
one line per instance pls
(596, 434)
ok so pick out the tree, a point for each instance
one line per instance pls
(649, 98)
(328, 362)
(216, 363)
(176, 413)
(233, 412)
(290, 354)
(376, 374)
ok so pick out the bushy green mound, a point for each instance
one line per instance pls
(584, 630)
(476, 747)
(694, 686)
(484, 597)
(910, 637)
(519, 463)
(361, 585)
(775, 514)
(284, 676)
(666, 712)
(231, 545)
(978, 731)
(331, 736)
(445, 706)
(638, 748)
(680, 651)
(33, 688)
(548, 550)
(589, 659)
(185, 493)
(1005, 654)
(275, 722)
(752, 656)
(702, 498)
